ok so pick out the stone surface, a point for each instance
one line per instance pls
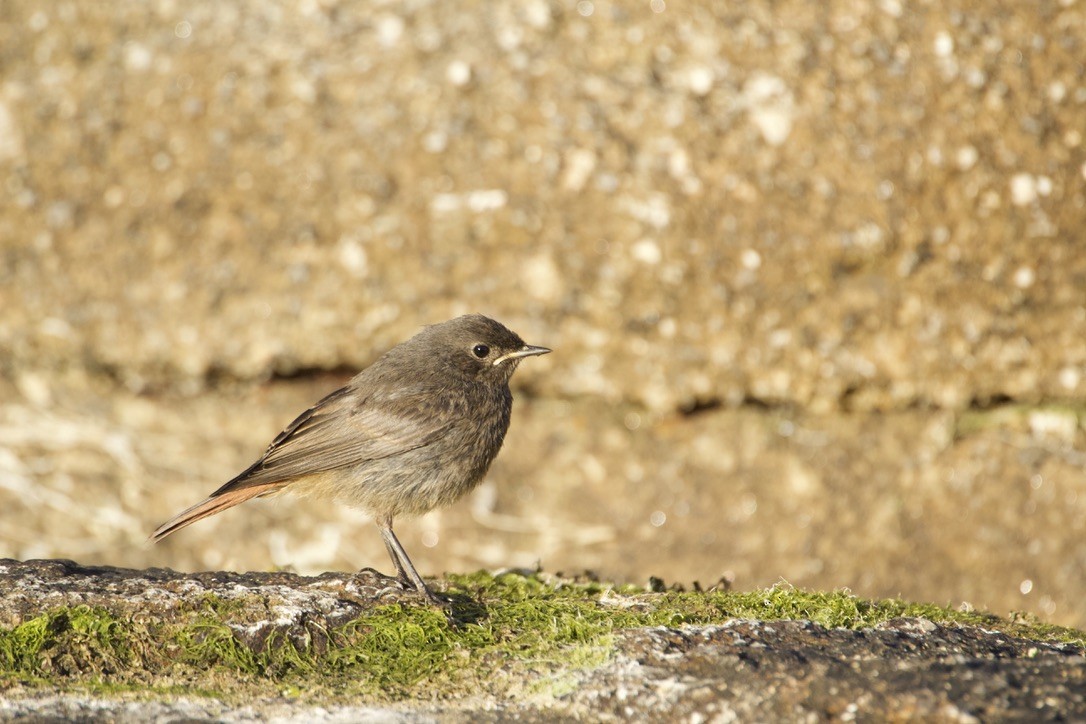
(909, 669)
(57, 707)
(287, 601)
(905, 670)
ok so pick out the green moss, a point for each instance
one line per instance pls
(67, 641)
(508, 630)
(223, 608)
(208, 643)
(392, 648)
(1013, 416)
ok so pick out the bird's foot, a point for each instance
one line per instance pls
(403, 584)
(368, 571)
(428, 594)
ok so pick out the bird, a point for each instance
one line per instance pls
(416, 430)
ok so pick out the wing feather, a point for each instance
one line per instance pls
(343, 430)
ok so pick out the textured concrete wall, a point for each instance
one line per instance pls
(872, 204)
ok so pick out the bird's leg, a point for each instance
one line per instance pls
(403, 564)
(404, 579)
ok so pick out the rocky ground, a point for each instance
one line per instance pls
(900, 668)
(907, 670)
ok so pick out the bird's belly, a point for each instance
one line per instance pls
(413, 483)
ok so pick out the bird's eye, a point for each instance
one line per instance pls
(480, 350)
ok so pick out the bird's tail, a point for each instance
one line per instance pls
(211, 506)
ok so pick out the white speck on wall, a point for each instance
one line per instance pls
(537, 14)
(780, 338)
(1023, 189)
(435, 142)
(1070, 378)
(748, 505)
(1044, 185)
(389, 30)
(975, 77)
(967, 157)
(943, 45)
(647, 251)
(700, 80)
(1024, 277)
(867, 236)
(678, 163)
(56, 327)
(458, 73)
(35, 388)
(446, 203)
(654, 210)
(11, 137)
(304, 89)
(353, 257)
(750, 259)
(487, 200)
(891, 7)
(1053, 424)
(771, 106)
(137, 56)
(475, 201)
(580, 163)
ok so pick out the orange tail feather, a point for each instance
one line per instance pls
(211, 506)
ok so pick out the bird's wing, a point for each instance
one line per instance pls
(344, 429)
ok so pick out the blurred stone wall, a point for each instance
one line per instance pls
(869, 205)
(849, 234)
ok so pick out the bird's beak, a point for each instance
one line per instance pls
(525, 351)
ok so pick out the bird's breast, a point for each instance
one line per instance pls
(445, 469)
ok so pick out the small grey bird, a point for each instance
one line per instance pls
(415, 430)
